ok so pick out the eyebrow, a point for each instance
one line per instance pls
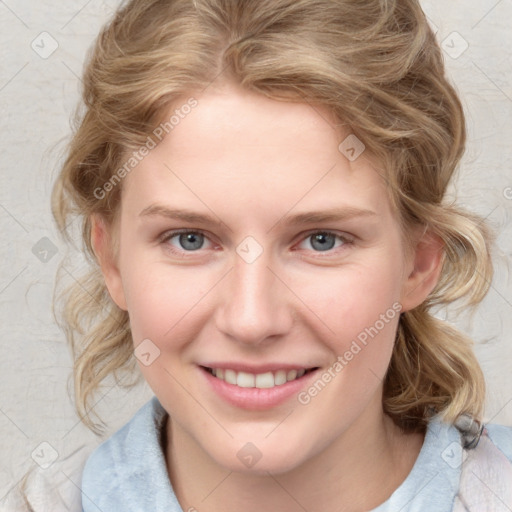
(173, 213)
(331, 215)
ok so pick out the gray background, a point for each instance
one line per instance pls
(38, 92)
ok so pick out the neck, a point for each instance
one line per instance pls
(359, 471)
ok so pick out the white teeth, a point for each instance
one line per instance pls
(245, 380)
(280, 377)
(265, 380)
(292, 375)
(230, 376)
(260, 380)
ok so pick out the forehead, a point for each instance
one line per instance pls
(242, 150)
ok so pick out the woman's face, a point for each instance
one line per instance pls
(289, 259)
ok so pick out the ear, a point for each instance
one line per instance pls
(425, 265)
(102, 244)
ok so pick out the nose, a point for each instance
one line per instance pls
(254, 307)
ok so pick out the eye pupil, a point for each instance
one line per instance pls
(326, 241)
(195, 239)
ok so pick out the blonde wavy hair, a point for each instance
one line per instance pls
(377, 66)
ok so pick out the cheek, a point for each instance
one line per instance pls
(361, 309)
(354, 299)
(162, 299)
(166, 306)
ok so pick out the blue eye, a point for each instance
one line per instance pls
(188, 241)
(322, 241)
(191, 241)
(325, 241)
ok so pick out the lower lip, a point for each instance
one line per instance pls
(256, 399)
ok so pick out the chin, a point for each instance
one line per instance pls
(275, 465)
(259, 459)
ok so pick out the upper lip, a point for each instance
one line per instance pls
(256, 369)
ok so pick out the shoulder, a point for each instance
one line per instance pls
(447, 477)
(113, 456)
(486, 476)
(501, 437)
(103, 477)
(128, 470)
(432, 483)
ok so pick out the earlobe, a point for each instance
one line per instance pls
(102, 244)
(427, 263)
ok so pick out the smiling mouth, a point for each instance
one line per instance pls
(261, 380)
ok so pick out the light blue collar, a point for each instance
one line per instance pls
(127, 472)
(433, 482)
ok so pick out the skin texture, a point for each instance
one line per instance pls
(249, 162)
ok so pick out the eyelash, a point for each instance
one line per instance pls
(167, 236)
